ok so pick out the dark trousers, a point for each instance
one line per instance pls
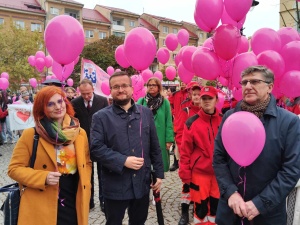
(137, 211)
(99, 182)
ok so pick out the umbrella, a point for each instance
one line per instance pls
(156, 194)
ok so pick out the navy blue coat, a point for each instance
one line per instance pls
(270, 178)
(115, 135)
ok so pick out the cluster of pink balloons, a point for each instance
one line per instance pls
(64, 39)
(40, 61)
(172, 40)
(4, 83)
(208, 14)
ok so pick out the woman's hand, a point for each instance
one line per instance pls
(53, 178)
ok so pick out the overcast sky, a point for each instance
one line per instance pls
(266, 14)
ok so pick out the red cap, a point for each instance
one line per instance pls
(191, 84)
(208, 90)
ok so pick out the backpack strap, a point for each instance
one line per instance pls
(34, 148)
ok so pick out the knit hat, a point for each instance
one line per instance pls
(24, 94)
(209, 91)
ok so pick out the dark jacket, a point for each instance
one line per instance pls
(84, 116)
(115, 135)
(270, 178)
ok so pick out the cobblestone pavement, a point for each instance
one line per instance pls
(170, 195)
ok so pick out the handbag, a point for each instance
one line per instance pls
(11, 204)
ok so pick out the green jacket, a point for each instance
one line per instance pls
(164, 128)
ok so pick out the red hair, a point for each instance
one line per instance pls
(42, 98)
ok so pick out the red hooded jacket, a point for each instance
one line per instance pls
(197, 145)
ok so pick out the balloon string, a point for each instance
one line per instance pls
(242, 181)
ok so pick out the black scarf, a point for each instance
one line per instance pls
(154, 103)
(258, 109)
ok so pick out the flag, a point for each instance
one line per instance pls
(94, 73)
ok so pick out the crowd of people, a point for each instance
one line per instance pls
(132, 143)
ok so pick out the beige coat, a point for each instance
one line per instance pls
(39, 201)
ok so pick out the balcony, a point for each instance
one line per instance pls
(118, 28)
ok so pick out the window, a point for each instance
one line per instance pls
(89, 34)
(54, 11)
(36, 27)
(164, 42)
(132, 23)
(166, 30)
(119, 34)
(175, 30)
(117, 22)
(72, 14)
(102, 35)
(201, 35)
(174, 55)
(1, 21)
(20, 24)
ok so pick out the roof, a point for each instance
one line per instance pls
(118, 10)
(149, 26)
(94, 15)
(23, 5)
(164, 19)
(191, 34)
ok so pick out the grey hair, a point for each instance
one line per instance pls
(267, 73)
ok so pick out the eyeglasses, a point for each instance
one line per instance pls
(253, 82)
(152, 85)
(123, 86)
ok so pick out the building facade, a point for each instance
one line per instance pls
(289, 14)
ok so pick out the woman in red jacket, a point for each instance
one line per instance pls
(196, 157)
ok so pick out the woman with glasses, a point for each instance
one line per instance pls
(56, 191)
(161, 110)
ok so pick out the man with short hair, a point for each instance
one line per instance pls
(125, 142)
(261, 198)
(85, 106)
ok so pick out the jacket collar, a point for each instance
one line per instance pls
(133, 110)
(207, 117)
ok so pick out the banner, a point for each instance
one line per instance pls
(20, 116)
(94, 73)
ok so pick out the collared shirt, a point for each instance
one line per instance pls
(91, 101)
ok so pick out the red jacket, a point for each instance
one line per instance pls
(197, 145)
(178, 100)
(185, 113)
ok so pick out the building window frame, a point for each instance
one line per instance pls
(89, 33)
(1, 21)
(164, 42)
(19, 24)
(175, 31)
(132, 23)
(36, 27)
(54, 11)
(102, 35)
(165, 30)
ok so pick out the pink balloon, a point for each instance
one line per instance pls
(163, 55)
(244, 45)
(62, 72)
(226, 67)
(237, 93)
(33, 82)
(223, 81)
(48, 77)
(39, 54)
(170, 73)
(110, 70)
(4, 83)
(178, 57)
(76, 60)
(209, 12)
(184, 75)
(230, 35)
(138, 85)
(53, 77)
(158, 74)
(242, 140)
(205, 64)
(288, 34)
(70, 82)
(265, 39)
(117, 70)
(140, 48)
(48, 61)
(120, 57)
(146, 75)
(31, 60)
(64, 39)
(177, 60)
(5, 75)
(241, 62)
(220, 103)
(291, 55)
(105, 87)
(40, 63)
(187, 57)
(171, 41)
(290, 84)
(237, 10)
(274, 61)
(208, 43)
(202, 25)
(226, 19)
(183, 37)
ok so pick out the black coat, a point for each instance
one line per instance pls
(85, 116)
